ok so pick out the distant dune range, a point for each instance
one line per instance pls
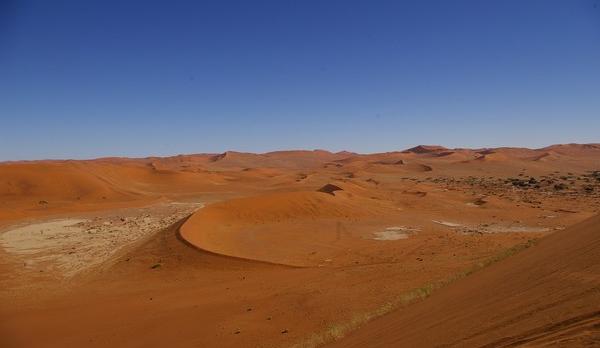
(47, 187)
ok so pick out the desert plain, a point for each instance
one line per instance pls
(425, 247)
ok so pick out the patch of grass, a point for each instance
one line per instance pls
(501, 256)
(336, 331)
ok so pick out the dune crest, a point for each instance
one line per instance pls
(248, 227)
(426, 149)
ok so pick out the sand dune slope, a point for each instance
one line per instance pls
(276, 228)
(50, 181)
(548, 295)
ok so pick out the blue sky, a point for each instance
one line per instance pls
(84, 79)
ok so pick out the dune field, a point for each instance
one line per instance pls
(424, 247)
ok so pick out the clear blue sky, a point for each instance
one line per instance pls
(81, 79)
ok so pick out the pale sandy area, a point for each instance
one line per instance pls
(495, 227)
(395, 233)
(69, 246)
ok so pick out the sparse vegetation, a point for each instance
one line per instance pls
(336, 331)
(560, 186)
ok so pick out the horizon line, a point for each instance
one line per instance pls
(440, 147)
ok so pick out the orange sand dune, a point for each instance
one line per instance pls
(546, 296)
(457, 155)
(93, 180)
(493, 156)
(547, 156)
(50, 187)
(279, 159)
(278, 228)
(426, 149)
(389, 162)
(574, 149)
(55, 180)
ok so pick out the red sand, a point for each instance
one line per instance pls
(271, 261)
(548, 295)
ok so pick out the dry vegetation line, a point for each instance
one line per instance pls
(337, 331)
(67, 247)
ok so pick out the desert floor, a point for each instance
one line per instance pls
(302, 248)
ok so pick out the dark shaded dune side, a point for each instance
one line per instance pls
(175, 256)
(132, 302)
(546, 295)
